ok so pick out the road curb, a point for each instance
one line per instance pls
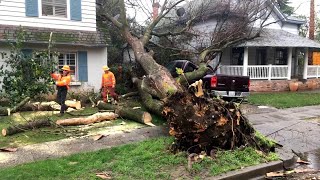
(258, 170)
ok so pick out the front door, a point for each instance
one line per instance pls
(261, 57)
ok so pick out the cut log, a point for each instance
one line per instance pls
(41, 106)
(73, 104)
(6, 111)
(45, 106)
(98, 117)
(128, 113)
(24, 127)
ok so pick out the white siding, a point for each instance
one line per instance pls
(13, 12)
(291, 28)
(273, 22)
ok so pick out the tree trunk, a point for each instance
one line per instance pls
(128, 113)
(98, 117)
(24, 127)
(159, 77)
(41, 106)
(7, 111)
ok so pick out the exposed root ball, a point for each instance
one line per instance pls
(202, 124)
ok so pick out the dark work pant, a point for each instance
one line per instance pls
(108, 90)
(61, 97)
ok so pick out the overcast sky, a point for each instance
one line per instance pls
(303, 6)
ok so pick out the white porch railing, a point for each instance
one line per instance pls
(231, 70)
(258, 72)
(313, 71)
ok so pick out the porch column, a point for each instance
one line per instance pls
(289, 62)
(245, 61)
(305, 65)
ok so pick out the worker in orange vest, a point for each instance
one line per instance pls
(62, 82)
(108, 84)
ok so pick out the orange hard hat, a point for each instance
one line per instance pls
(105, 68)
(66, 68)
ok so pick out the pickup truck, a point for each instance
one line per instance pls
(225, 86)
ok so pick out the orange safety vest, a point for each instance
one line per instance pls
(61, 80)
(108, 80)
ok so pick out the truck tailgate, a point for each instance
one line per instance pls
(232, 83)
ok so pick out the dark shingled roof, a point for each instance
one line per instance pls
(59, 36)
(279, 38)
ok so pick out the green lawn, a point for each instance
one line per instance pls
(285, 99)
(144, 160)
(56, 133)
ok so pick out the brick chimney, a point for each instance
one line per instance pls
(155, 7)
(311, 23)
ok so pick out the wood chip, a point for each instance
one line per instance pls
(302, 162)
(304, 170)
(150, 124)
(275, 174)
(136, 108)
(104, 175)
(97, 137)
(8, 149)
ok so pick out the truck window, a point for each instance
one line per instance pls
(190, 67)
(171, 66)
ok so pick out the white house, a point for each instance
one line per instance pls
(270, 60)
(74, 33)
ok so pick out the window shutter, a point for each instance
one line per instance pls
(83, 66)
(31, 8)
(75, 10)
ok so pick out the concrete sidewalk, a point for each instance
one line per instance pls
(65, 147)
(292, 127)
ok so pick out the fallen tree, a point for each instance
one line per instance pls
(196, 122)
(24, 127)
(98, 117)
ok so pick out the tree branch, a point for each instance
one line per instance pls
(162, 14)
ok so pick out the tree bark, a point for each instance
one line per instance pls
(73, 104)
(41, 106)
(6, 111)
(98, 117)
(128, 113)
(24, 127)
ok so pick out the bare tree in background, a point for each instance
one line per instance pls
(198, 122)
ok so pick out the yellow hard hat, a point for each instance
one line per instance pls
(66, 68)
(105, 68)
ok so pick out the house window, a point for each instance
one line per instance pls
(57, 8)
(237, 56)
(71, 60)
(281, 56)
